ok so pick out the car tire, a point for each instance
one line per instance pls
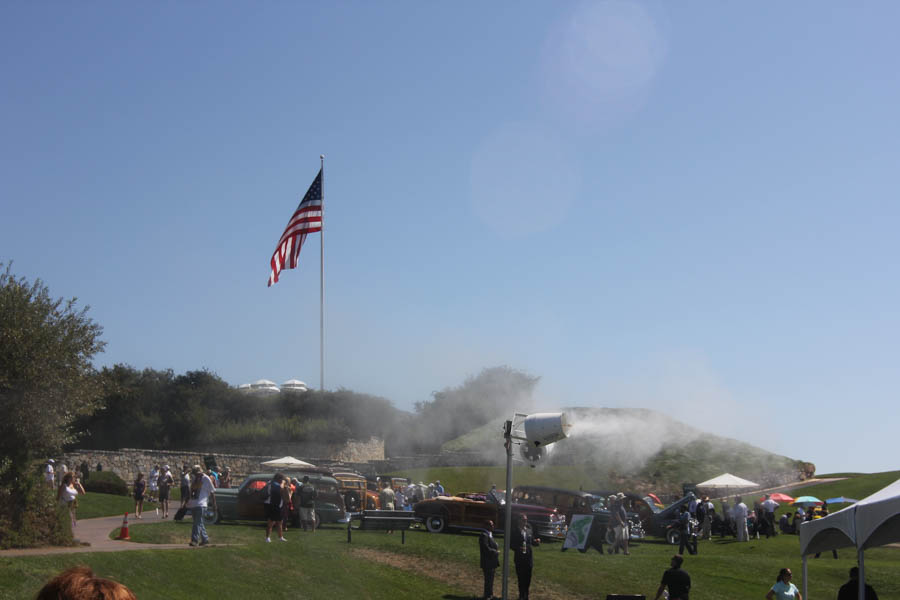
(436, 523)
(673, 536)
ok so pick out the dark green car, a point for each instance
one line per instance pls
(245, 503)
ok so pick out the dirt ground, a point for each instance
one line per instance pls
(468, 580)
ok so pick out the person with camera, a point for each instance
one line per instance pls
(203, 496)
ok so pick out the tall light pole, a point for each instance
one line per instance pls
(540, 429)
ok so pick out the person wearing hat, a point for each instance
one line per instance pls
(225, 478)
(203, 496)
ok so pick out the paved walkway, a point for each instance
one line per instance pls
(93, 536)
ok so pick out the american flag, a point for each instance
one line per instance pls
(306, 219)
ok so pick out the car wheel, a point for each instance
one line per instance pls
(218, 517)
(673, 536)
(436, 524)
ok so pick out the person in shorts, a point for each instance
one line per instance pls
(163, 484)
(307, 501)
(273, 501)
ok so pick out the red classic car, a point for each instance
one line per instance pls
(472, 510)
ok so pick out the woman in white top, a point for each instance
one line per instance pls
(68, 493)
(784, 589)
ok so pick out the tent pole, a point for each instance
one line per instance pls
(805, 586)
(861, 557)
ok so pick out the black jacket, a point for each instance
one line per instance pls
(521, 546)
(490, 553)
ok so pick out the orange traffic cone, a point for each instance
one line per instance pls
(123, 533)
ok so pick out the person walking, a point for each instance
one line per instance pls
(274, 499)
(676, 580)
(850, 590)
(202, 496)
(152, 481)
(490, 558)
(784, 589)
(307, 500)
(521, 541)
(769, 506)
(139, 487)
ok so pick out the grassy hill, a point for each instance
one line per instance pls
(640, 449)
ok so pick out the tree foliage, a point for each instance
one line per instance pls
(47, 379)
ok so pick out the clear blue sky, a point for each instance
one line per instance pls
(689, 207)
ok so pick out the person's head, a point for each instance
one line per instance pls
(306, 479)
(522, 520)
(684, 508)
(784, 575)
(489, 525)
(738, 499)
(196, 469)
(79, 583)
(854, 573)
(68, 478)
(156, 467)
(279, 477)
(767, 496)
(677, 561)
(140, 476)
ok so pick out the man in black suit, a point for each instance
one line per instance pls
(520, 542)
(490, 558)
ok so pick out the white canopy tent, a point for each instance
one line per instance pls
(287, 462)
(871, 522)
(727, 483)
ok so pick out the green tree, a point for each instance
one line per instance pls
(47, 379)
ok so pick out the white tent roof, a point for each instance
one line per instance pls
(727, 480)
(878, 518)
(873, 521)
(287, 462)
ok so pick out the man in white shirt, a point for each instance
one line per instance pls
(48, 473)
(769, 507)
(203, 495)
(740, 520)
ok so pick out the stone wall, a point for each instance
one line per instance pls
(128, 462)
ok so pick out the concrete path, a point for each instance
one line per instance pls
(92, 535)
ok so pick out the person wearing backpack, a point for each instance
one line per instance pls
(274, 500)
(307, 496)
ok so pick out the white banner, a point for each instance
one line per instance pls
(579, 529)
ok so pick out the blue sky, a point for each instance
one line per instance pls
(687, 207)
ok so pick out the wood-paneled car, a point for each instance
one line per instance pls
(471, 510)
(246, 501)
(572, 502)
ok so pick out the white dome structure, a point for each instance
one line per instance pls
(244, 388)
(264, 387)
(294, 385)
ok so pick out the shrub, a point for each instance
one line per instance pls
(31, 516)
(106, 482)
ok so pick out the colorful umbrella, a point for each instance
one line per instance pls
(807, 501)
(841, 500)
(779, 497)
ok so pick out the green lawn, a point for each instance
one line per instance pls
(437, 566)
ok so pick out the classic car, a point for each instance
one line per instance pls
(571, 502)
(352, 488)
(661, 522)
(246, 501)
(471, 511)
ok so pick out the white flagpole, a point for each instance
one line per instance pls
(322, 285)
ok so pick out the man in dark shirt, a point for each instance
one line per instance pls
(850, 590)
(677, 580)
(490, 560)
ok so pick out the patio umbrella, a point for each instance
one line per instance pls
(807, 501)
(779, 497)
(287, 462)
(841, 500)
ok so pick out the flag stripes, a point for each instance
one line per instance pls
(305, 220)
